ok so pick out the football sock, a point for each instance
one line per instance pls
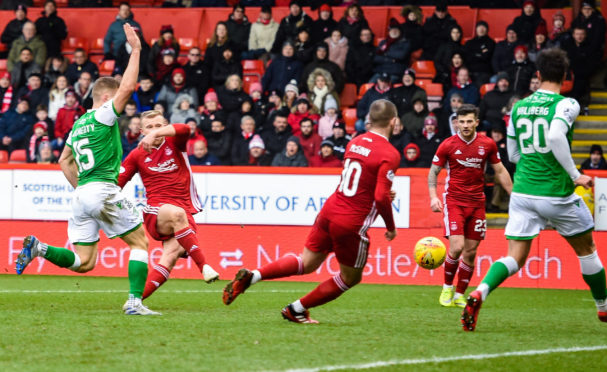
(189, 241)
(450, 269)
(498, 272)
(156, 277)
(283, 267)
(326, 291)
(138, 271)
(61, 257)
(256, 276)
(594, 275)
(463, 277)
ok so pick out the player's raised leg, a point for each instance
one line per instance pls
(159, 273)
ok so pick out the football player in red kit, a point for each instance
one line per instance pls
(465, 155)
(172, 199)
(341, 226)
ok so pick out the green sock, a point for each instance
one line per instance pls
(60, 256)
(138, 274)
(596, 282)
(498, 272)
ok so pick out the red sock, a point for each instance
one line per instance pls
(156, 277)
(189, 241)
(463, 278)
(325, 292)
(286, 266)
(450, 269)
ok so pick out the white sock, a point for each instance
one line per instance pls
(446, 286)
(601, 305)
(298, 307)
(76, 263)
(457, 295)
(590, 264)
(256, 277)
(484, 289)
(40, 249)
(510, 264)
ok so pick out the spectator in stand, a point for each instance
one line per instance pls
(465, 88)
(246, 109)
(352, 22)
(381, 89)
(145, 96)
(478, 52)
(45, 154)
(66, 116)
(201, 155)
(308, 138)
(325, 123)
(51, 28)
(23, 68)
(583, 62)
(131, 138)
(231, 96)
(239, 29)
(124, 54)
(526, 24)
(326, 158)
(40, 134)
(195, 135)
(558, 33)
(520, 71)
(413, 121)
(257, 152)
(539, 43)
(6, 92)
(596, 159)
(291, 94)
(54, 67)
(197, 74)
(13, 29)
(170, 92)
(166, 41)
(34, 91)
(338, 48)
(163, 71)
(81, 63)
(448, 78)
(84, 90)
(499, 199)
(412, 27)
(302, 110)
(339, 138)
(304, 48)
(411, 156)
(494, 103)
(287, 30)
(240, 146)
(130, 110)
(115, 37)
(321, 60)
(283, 68)
(436, 30)
(291, 156)
(260, 104)
(429, 142)
(359, 61)
(445, 52)
(227, 65)
(392, 54)
(534, 85)
(42, 115)
(275, 138)
(320, 87)
(219, 41)
(161, 106)
(15, 124)
(219, 142)
(29, 40)
(262, 35)
(211, 111)
(404, 95)
(447, 114)
(183, 109)
(324, 25)
(400, 137)
(504, 50)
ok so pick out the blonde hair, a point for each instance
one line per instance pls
(150, 114)
(104, 85)
(381, 113)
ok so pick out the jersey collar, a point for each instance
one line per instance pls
(377, 134)
(467, 142)
(545, 91)
(159, 146)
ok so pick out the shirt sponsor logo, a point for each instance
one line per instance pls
(470, 162)
(360, 150)
(166, 166)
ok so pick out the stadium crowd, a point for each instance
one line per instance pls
(292, 115)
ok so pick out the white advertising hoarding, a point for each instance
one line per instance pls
(600, 204)
(6, 194)
(41, 195)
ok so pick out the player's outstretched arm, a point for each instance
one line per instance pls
(435, 203)
(68, 166)
(147, 142)
(503, 177)
(129, 78)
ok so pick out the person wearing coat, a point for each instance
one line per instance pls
(115, 37)
(291, 156)
(14, 27)
(262, 34)
(404, 95)
(526, 24)
(15, 124)
(183, 109)
(153, 56)
(321, 60)
(359, 61)
(352, 22)
(239, 28)
(30, 40)
(412, 27)
(338, 48)
(478, 52)
(51, 29)
(392, 54)
(287, 30)
(282, 70)
(324, 25)
(320, 87)
(436, 30)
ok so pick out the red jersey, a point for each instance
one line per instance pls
(165, 172)
(364, 189)
(465, 163)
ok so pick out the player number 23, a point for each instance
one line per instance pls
(83, 153)
(538, 129)
(480, 225)
(350, 177)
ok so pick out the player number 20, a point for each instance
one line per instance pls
(82, 152)
(350, 177)
(538, 129)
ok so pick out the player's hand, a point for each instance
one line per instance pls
(131, 37)
(392, 195)
(147, 142)
(436, 205)
(390, 235)
(584, 180)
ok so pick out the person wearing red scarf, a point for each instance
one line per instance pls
(6, 91)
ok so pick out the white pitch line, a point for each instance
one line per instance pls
(397, 362)
(36, 291)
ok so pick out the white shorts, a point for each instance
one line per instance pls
(528, 215)
(100, 205)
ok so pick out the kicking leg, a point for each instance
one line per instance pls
(80, 261)
(465, 271)
(160, 273)
(456, 247)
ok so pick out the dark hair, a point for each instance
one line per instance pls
(130, 102)
(124, 3)
(50, 1)
(306, 119)
(79, 50)
(552, 64)
(466, 109)
(238, 6)
(145, 77)
(26, 48)
(281, 113)
(266, 9)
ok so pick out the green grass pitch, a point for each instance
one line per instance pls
(76, 324)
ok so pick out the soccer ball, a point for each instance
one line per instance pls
(429, 252)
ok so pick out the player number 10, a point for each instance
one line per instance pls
(538, 129)
(350, 177)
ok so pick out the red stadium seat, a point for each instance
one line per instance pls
(96, 46)
(434, 90)
(2, 64)
(349, 115)
(415, 56)
(72, 42)
(252, 67)
(182, 60)
(96, 58)
(486, 88)
(3, 48)
(347, 98)
(107, 67)
(423, 83)
(3, 156)
(247, 80)
(424, 69)
(567, 86)
(363, 89)
(18, 156)
(186, 43)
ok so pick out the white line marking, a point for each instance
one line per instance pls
(397, 362)
(35, 291)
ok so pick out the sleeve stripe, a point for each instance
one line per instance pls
(509, 136)
(114, 109)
